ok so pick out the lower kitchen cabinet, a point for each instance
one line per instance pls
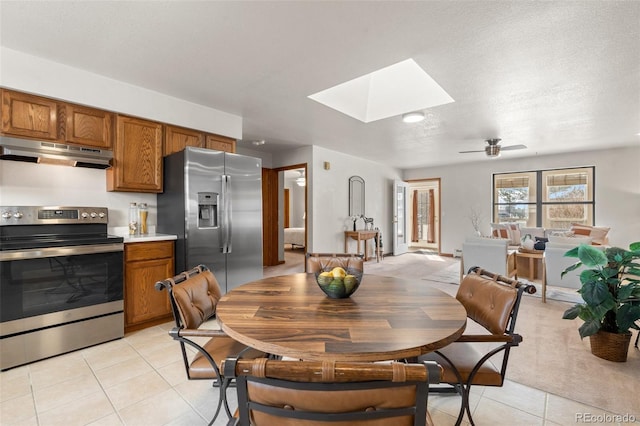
(146, 263)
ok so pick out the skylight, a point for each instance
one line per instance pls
(390, 91)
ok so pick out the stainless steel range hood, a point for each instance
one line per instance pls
(54, 153)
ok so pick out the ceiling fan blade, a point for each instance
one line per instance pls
(513, 147)
(467, 152)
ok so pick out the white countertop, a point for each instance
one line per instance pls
(123, 231)
(148, 237)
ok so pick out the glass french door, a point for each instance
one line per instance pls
(400, 238)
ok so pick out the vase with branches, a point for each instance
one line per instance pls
(475, 217)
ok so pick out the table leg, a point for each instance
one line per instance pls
(346, 244)
(532, 272)
(359, 245)
(366, 249)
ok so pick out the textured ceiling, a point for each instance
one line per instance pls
(555, 76)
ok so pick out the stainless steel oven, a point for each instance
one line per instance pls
(61, 282)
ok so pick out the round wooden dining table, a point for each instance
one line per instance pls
(387, 318)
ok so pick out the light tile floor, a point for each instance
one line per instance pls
(140, 380)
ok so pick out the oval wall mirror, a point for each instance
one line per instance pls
(356, 196)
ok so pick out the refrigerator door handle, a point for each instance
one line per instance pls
(227, 225)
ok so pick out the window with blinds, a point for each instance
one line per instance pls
(549, 198)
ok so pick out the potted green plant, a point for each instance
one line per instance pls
(611, 293)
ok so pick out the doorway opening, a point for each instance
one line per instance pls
(423, 215)
(292, 215)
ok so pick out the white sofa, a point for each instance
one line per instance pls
(555, 262)
(492, 254)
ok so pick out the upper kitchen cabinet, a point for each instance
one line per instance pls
(29, 116)
(137, 156)
(220, 143)
(88, 126)
(177, 138)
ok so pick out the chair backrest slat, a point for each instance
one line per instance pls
(492, 300)
(320, 393)
(317, 262)
(194, 295)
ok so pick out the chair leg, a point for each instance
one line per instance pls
(223, 385)
(463, 390)
(221, 399)
(637, 337)
(223, 393)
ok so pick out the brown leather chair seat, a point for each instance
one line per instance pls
(492, 302)
(194, 295)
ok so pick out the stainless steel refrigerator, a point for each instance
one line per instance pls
(212, 201)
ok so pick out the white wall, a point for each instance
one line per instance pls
(32, 74)
(617, 191)
(30, 184)
(330, 198)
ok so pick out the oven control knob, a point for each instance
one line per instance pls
(84, 215)
(18, 215)
(101, 215)
(94, 215)
(6, 215)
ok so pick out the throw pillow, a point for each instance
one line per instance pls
(510, 231)
(513, 233)
(498, 230)
(598, 234)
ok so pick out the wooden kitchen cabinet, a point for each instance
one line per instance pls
(137, 156)
(88, 126)
(29, 116)
(178, 138)
(145, 264)
(220, 143)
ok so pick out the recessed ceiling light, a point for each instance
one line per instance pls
(413, 117)
(258, 143)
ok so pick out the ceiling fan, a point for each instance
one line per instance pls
(493, 149)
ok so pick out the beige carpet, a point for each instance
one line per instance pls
(551, 358)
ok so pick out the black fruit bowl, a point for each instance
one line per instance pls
(336, 286)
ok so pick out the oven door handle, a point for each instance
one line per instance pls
(60, 251)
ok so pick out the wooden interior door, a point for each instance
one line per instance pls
(286, 208)
(269, 217)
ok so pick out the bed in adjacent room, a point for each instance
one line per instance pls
(294, 236)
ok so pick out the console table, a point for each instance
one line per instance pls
(363, 235)
(528, 264)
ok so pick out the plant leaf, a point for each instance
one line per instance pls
(627, 315)
(625, 291)
(634, 246)
(570, 268)
(572, 313)
(609, 272)
(589, 328)
(595, 293)
(572, 253)
(591, 256)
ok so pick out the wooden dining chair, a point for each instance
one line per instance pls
(316, 262)
(313, 393)
(194, 295)
(492, 301)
